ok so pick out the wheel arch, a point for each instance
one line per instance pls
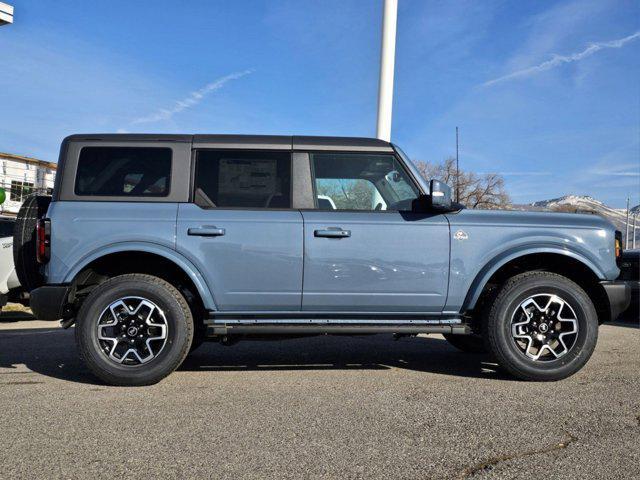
(567, 263)
(141, 257)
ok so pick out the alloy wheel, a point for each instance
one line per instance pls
(132, 331)
(544, 327)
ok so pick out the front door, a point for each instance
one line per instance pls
(364, 250)
(241, 232)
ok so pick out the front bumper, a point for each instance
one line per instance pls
(48, 302)
(619, 296)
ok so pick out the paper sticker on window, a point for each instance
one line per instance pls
(247, 177)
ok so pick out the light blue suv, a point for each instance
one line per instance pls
(152, 244)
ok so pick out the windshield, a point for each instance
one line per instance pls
(405, 158)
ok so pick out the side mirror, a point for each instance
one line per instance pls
(440, 197)
(439, 200)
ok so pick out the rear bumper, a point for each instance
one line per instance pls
(48, 302)
(619, 296)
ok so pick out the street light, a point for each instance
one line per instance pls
(6, 13)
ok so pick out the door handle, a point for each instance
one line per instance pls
(332, 233)
(206, 231)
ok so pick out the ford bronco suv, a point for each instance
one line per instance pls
(152, 244)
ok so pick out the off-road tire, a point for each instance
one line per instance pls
(497, 326)
(179, 336)
(24, 241)
(467, 343)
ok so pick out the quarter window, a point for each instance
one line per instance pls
(354, 181)
(124, 171)
(243, 179)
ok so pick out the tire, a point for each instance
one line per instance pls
(24, 241)
(513, 322)
(467, 343)
(165, 353)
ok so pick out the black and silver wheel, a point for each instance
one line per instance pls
(541, 326)
(544, 327)
(134, 329)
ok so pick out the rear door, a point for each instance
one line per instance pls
(364, 248)
(241, 232)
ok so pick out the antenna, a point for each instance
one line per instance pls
(457, 169)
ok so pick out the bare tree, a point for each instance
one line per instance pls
(484, 191)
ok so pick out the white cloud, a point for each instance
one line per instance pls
(191, 100)
(521, 174)
(557, 60)
(616, 170)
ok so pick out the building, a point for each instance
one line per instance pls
(21, 176)
(6, 14)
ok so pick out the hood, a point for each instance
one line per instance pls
(533, 219)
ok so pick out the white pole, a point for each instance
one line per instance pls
(633, 237)
(626, 232)
(387, 64)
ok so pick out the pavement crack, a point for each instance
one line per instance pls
(490, 463)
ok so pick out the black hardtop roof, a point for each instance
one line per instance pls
(245, 141)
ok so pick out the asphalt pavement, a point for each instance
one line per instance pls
(322, 407)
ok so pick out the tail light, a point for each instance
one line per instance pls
(43, 237)
(618, 240)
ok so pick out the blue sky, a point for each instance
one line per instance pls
(546, 93)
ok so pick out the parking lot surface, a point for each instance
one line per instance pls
(323, 407)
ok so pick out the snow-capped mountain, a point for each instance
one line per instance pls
(586, 204)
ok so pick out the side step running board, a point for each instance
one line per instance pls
(318, 329)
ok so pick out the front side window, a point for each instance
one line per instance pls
(231, 178)
(360, 181)
(124, 171)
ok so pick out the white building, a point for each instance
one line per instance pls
(6, 13)
(21, 176)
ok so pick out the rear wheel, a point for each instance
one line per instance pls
(467, 343)
(134, 329)
(24, 241)
(541, 326)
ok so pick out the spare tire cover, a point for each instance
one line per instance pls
(24, 241)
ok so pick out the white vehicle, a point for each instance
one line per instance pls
(9, 284)
(326, 203)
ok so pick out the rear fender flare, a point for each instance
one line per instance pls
(160, 250)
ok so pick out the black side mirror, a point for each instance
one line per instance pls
(439, 199)
(440, 195)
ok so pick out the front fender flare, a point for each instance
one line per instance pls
(482, 278)
(154, 248)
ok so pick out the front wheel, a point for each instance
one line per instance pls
(541, 326)
(134, 329)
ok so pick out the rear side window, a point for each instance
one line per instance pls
(123, 172)
(243, 179)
